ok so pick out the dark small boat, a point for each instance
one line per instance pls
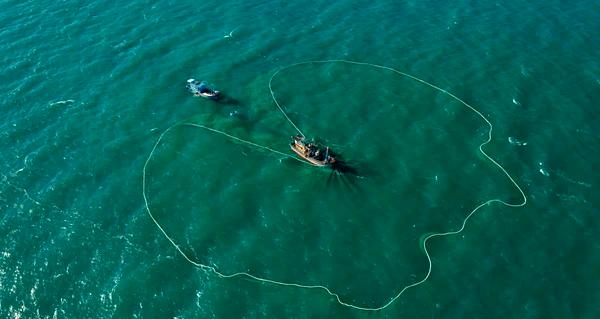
(201, 89)
(311, 153)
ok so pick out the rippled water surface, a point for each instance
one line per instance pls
(89, 86)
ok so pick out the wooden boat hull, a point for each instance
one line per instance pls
(311, 160)
(214, 96)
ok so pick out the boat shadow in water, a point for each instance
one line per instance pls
(345, 175)
(343, 168)
(227, 100)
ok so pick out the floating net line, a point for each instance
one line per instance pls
(384, 305)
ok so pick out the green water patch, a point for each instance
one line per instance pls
(416, 165)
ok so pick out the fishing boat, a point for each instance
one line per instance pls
(311, 153)
(202, 89)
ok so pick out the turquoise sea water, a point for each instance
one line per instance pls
(88, 87)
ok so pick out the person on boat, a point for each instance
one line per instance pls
(328, 158)
(203, 88)
(312, 151)
(318, 155)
